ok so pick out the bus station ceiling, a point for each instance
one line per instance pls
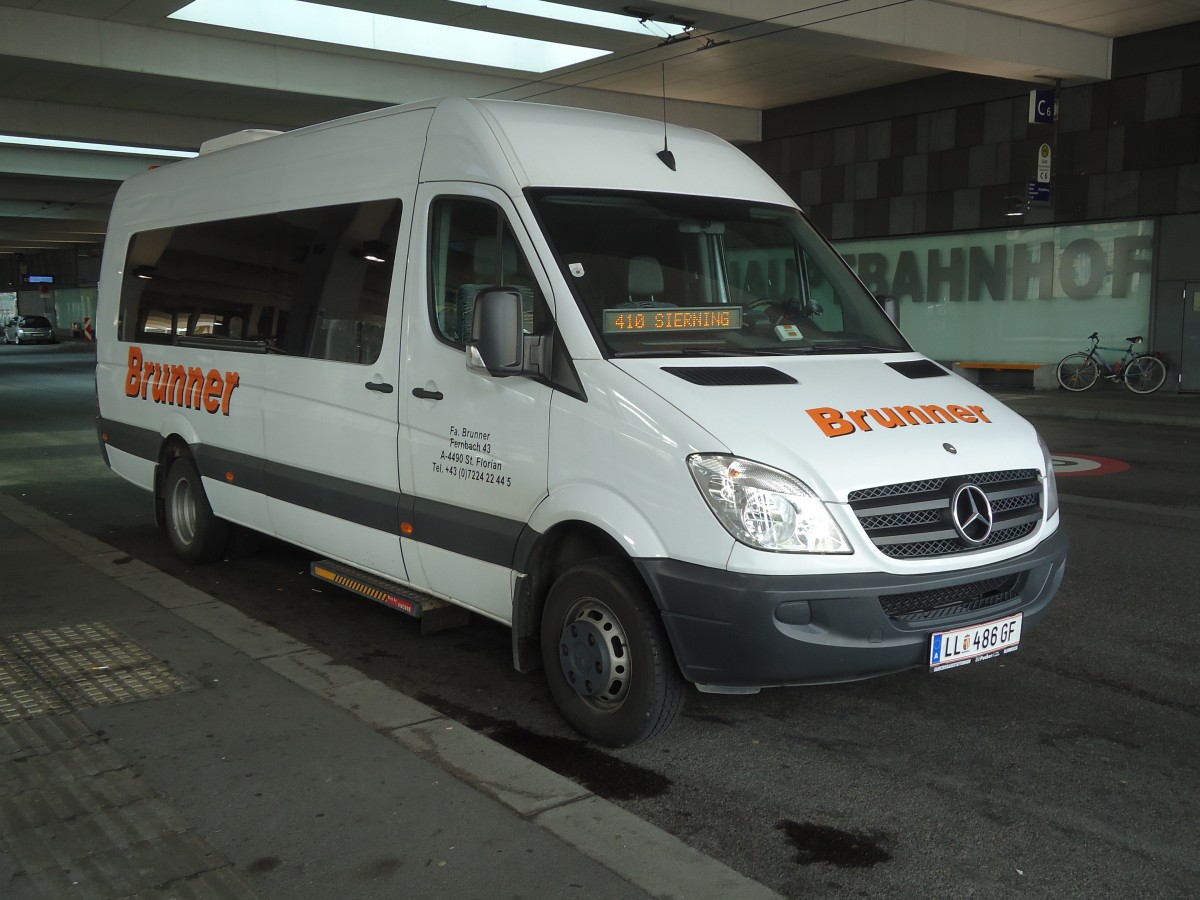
(124, 72)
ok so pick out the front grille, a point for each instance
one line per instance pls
(899, 520)
(922, 606)
(913, 519)
(892, 490)
(910, 550)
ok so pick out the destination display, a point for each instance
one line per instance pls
(694, 318)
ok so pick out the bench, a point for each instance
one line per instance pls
(1044, 377)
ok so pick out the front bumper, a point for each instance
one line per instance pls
(732, 630)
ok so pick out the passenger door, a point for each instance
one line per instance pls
(330, 409)
(476, 444)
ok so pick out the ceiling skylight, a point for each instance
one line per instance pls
(93, 148)
(353, 28)
(560, 12)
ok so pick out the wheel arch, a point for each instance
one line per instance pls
(563, 546)
(575, 523)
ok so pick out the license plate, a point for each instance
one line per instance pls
(976, 643)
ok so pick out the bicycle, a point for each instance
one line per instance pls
(1143, 373)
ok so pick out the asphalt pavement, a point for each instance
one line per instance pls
(155, 742)
(1104, 403)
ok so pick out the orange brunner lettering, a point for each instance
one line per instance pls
(173, 385)
(839, 423)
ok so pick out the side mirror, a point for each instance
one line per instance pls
(891, 307)
(498, 345)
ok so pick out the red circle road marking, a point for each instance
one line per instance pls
(1078, 464)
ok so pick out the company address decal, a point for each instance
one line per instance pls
(187, 386)
(838, 423)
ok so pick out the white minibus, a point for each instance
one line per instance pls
(531, 363)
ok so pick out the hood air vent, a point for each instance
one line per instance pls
(918, 368)
(730, 376)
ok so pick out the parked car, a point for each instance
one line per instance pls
(29, 330)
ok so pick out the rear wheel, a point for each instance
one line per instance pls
(196, 534)
(608, 663)
(1145, 374)
(1077, 372)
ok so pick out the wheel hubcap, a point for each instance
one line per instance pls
(594, 655)
(183, 512)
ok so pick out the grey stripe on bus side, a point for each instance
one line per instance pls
(374, 507)
(468, 532)
(140, 442)
(477, 535)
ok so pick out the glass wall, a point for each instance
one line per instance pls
(1022, 295)
(74, 306)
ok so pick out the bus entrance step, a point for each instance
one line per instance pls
(435, 615)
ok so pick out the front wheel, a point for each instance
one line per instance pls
(1077, 372)
(196, 534)
(1145, 374)
(608, 663)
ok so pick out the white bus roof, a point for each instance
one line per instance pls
(513, 145)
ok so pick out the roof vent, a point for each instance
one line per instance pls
(246, 136)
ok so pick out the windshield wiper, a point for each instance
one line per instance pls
(796, 350)
(854, 348)
(775, 351)
(675, 351)
(806, 349)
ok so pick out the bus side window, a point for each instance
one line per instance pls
(310, 282)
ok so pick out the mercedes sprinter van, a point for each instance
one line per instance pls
(528, 362)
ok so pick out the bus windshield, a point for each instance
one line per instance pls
(674, 275)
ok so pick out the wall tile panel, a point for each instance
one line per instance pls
(1164, 97)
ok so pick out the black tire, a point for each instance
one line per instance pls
(243, 543)
(608, 662)
(196, 534)
(1077, 372)
(1145, 374)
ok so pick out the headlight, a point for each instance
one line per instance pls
(1051, 484)
(764, 507)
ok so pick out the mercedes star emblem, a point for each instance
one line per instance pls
(972, 514)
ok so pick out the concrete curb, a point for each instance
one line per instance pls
(646, 856)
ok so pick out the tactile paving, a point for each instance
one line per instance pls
(54, 670)
(22, 694)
